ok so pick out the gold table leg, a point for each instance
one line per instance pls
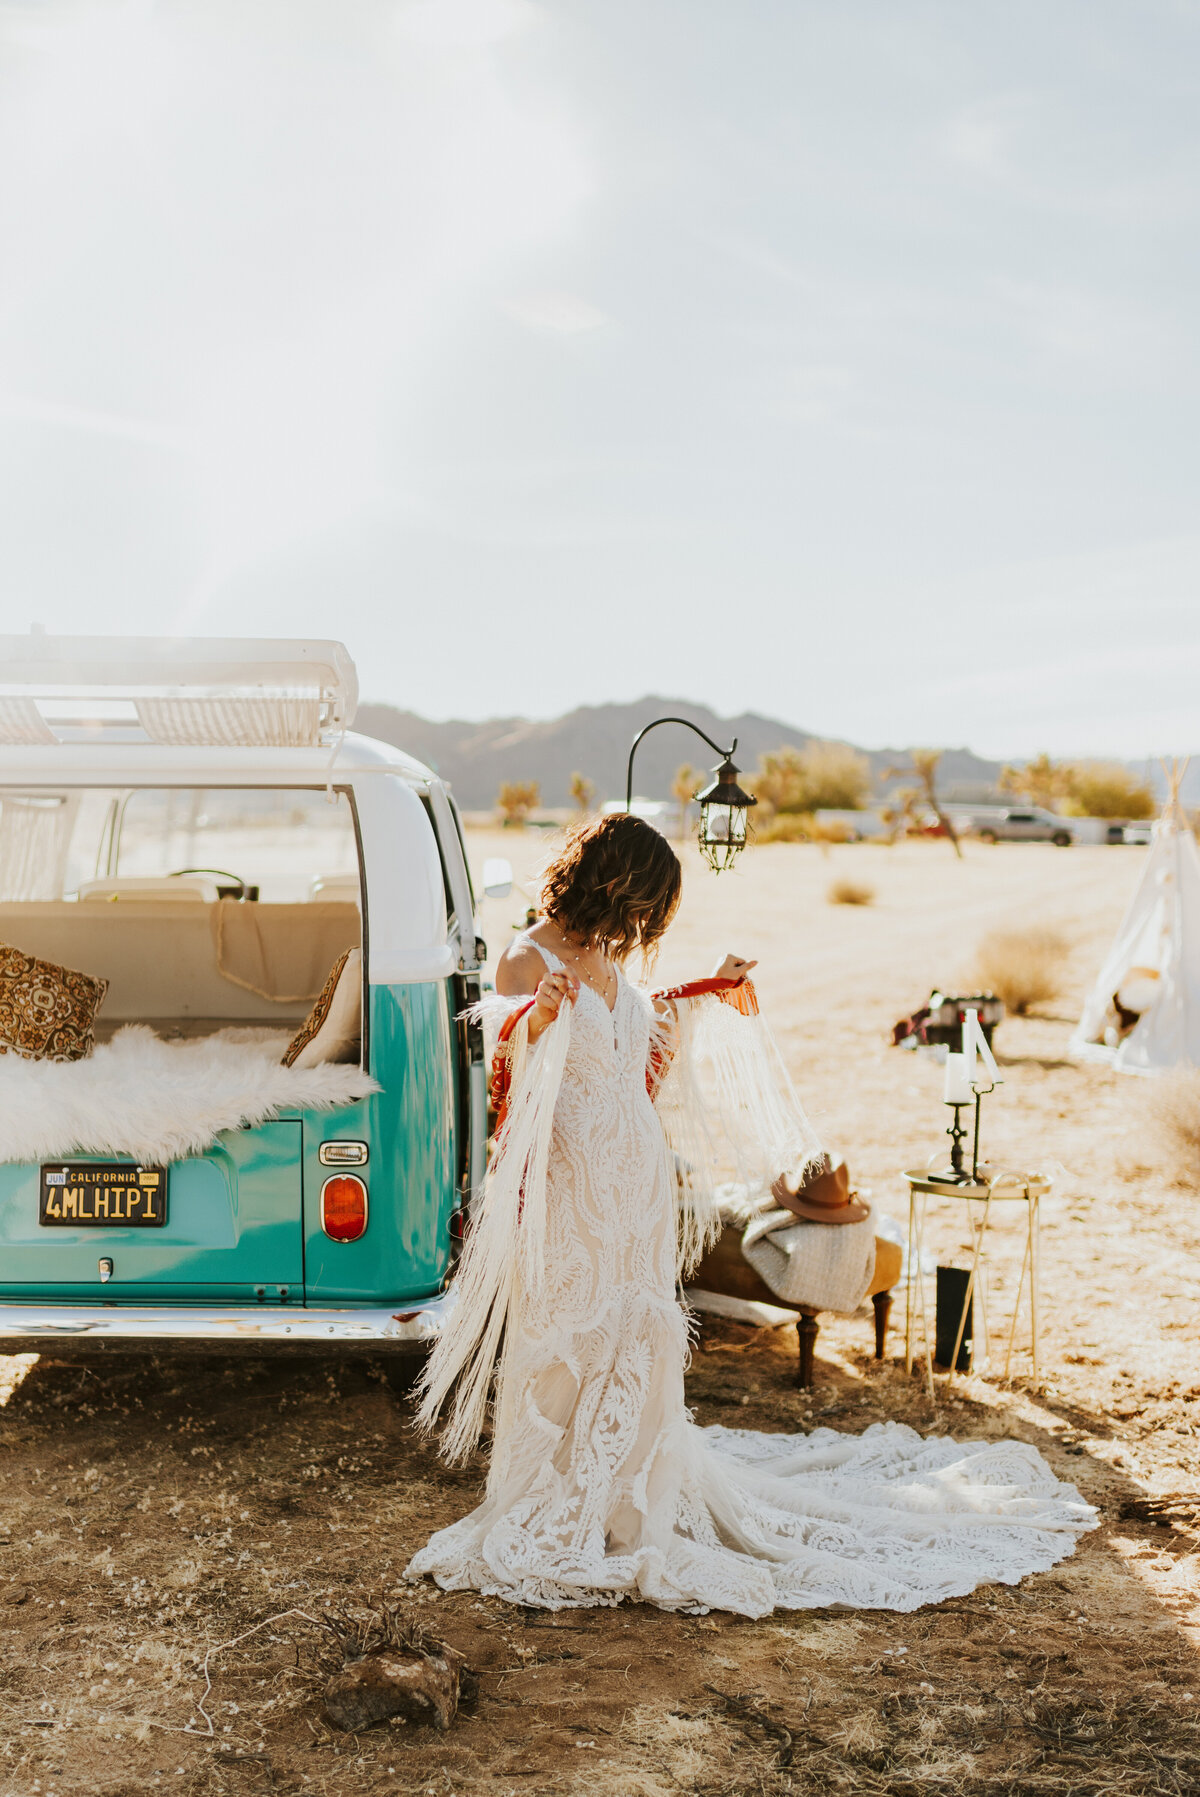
(1012, 1328)
(962, 1321)
(920, 1270)
(1035, 1218)
(908, 1283)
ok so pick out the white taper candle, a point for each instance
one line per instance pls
(956, 1088)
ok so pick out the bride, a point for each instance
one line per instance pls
(600, 1195)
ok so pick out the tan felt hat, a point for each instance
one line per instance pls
(823, 1196)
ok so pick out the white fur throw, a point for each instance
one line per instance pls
(156, 1101)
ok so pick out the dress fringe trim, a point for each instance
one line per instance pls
(504, 1253)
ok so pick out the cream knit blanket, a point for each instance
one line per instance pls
(816, 1266)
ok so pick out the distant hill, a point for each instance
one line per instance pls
(594, 740)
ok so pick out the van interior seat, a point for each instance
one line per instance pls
(193, 964)
(199, 888)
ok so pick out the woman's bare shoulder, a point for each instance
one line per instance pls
(519, 969)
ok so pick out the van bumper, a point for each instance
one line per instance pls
(60, 1329)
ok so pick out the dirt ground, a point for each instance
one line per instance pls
(154, 1513)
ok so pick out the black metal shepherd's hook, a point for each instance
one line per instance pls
(725, 754)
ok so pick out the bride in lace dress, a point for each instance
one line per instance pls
(601, 1487)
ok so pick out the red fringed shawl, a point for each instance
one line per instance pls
(740, 994)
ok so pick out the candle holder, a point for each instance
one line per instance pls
(980, 1092)
(957, 1174)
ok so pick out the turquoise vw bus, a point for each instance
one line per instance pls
(194, 823)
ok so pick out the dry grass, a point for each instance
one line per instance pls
(1025, 967)
(851, 892)
(1175, 1115)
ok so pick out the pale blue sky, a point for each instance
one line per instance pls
(831, 358)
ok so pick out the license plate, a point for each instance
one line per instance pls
(102, 1195)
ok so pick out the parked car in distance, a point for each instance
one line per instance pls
(1029, 825)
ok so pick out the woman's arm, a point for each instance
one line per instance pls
(522, 971)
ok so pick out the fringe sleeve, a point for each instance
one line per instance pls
(504, 1250)
(728, 1107)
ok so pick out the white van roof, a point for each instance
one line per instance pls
(175, 692)
(101, 762)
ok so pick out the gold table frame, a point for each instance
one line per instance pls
(1026, 1189)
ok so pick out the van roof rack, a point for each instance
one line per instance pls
(268, 692)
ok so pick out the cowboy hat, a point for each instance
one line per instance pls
(823, 1195)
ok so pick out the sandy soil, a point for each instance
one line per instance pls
(152, 1513)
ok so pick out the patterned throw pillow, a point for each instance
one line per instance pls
(47, 1013)
(332, 1031)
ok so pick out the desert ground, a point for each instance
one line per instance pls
(172, 1532)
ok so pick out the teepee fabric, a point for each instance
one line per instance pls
(1160, 931)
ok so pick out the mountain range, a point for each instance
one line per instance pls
(593, 740)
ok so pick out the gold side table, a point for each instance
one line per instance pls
(979, 1197)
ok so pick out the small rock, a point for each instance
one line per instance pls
(396, 1682)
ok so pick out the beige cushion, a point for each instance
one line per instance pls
(47, 1013)
(172, 960)
(332, 1031)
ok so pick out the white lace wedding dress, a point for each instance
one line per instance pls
(601, 1487)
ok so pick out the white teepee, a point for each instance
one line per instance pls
(1143, 1013)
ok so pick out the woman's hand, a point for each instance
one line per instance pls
(733, 968)
(553, 992)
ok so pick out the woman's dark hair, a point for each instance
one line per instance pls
(615, 885)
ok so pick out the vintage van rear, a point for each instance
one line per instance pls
(193, 822)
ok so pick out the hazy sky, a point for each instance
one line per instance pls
(830, 358)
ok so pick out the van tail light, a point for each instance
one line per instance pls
(344, 1207)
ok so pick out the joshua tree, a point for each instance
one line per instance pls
(516, 799)
(583, 793)
(925, 766)
(1041, 781)
(683, 791)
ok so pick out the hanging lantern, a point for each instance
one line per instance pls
(724, 815)
(724, 807)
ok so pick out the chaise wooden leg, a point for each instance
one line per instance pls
(883, 1310)
(806, 1328)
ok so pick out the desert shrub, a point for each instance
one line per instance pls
(1023, 967)
(779, 784)
(1175, 1114)
(851, 892)
(830, 829)
(1106, 789)
(821, 777)
(783, 826)
(1085, 789)
(839, 778)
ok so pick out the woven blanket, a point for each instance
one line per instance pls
(157, 1101)
(818, 1266)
